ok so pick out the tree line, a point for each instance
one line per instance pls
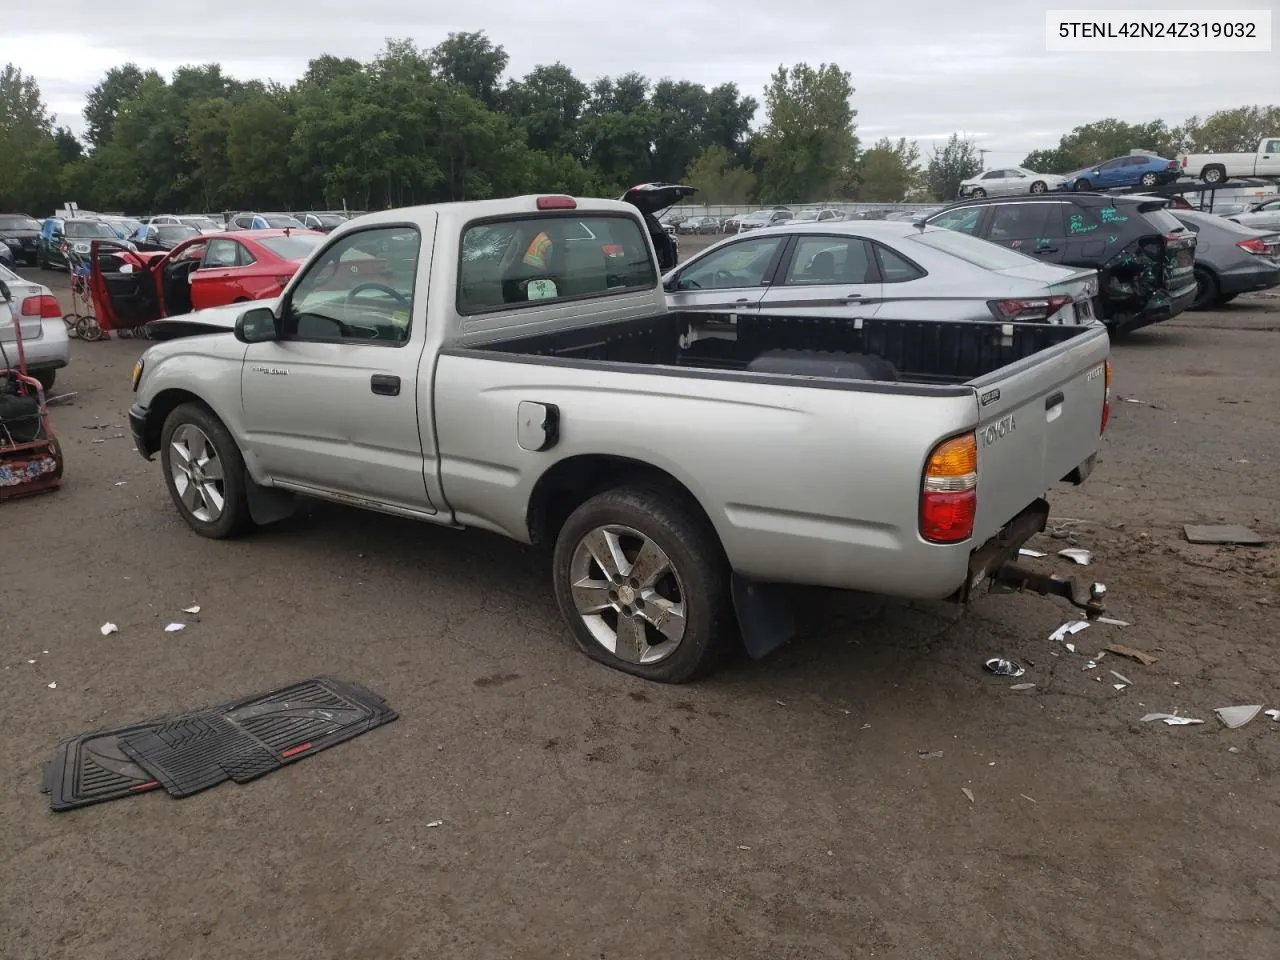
(416, 125)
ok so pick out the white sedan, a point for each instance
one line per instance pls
(44, 335)
(1009, 182)
(856, 270)
(1260, 216)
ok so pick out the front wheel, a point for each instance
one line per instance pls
(1081, 185)
(1039, 187)
(643, 583)
(978, 193)
(204, 472)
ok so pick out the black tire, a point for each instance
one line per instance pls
(235, 518)
(1039, 187)
(1213, 174)
(1082, 185)
(1207, 290)
(978, 193)
(1149, 180)
(46, 378)
(701, 572)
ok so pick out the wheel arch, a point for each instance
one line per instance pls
(570, 482)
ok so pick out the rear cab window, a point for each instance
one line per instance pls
(518, 261)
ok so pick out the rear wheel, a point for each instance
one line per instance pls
(1214, 174)
(1082, 185)
(978, 193)
(1149, 180)
(1207, 292)
(643, 584)
(204, 472)
(1039, 187)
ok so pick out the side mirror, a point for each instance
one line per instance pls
(1095, 172)
(256, 325)
(671, 284)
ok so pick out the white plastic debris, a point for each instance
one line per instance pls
(1022, 686)
(1237, 716)
(436, 823)
(122, 483)
(1076, 555)
(1120, 686)
(1273, 714)
(53, 686)
(192, 610)
(1028, 552)
(968, 793)
(108, 629)
(1123, 679)
(1112, 621)
(30, 661)
(174, 627)
(1172, 719)
(1091, 665)
(1068, 629)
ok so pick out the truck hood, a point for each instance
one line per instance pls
(211, 320)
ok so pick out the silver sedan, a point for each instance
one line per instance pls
(1009, 182)
(863, 269)
(1260, 216)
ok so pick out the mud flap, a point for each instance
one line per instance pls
(266, 504)
(765, 617)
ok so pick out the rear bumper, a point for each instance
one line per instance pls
(1003, 548)
(1248, 277)
(1158, 313)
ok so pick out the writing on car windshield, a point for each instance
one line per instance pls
(511, 262)
(89, 228)
(360, 288)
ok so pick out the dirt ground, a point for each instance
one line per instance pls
(808, 806)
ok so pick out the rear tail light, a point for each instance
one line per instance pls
(1184, 162)
(1027, 311)
(1253, 245)
(1173, 165)
(1106, 399)
(45, 307)
(949, 493)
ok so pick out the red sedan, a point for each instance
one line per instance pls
(211, 270)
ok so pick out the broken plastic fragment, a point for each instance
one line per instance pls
(1090, 665)
(1004, 668)
(1172, 719)
(1121, 678)
(929, 754)
(192, 610)
(1120, 686)
(1076, 555)
(53, 686)
(108, 629)
(1022, 686)
(1071, 648)
(1069, 628)
(1028, 552)
(174, 627)
(968, 793)
(122, 483)
(1237, 716)
(1273, 714)
(436, 823)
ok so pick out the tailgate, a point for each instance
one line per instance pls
(1040, 418)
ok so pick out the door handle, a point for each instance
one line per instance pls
(743, 300)
(853, 296)
(1046, 249)
(1054, 399)
(385, 385)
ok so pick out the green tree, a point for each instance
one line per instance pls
(472, 62)
(68, 147)
(1092, 143)
(889, 171)
(29, 167)
(718, 180)
(1228, 131)
(548, 104)
(808, 146)
(956, 161)
(102, 104)
(728, 124)
(1047, 161)
(258, 132)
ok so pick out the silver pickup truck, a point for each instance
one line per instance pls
(512, 367)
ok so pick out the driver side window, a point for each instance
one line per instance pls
(741, 264)
(358, 289)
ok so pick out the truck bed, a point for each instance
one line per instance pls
(921, 352)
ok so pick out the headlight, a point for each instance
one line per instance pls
(137, 374)
(131, 246)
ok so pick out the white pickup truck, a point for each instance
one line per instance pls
(1217, 167)
(514, 368)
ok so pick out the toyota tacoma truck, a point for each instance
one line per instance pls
(1217, 167)
(514, 369)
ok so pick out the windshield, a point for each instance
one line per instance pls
(89, 228)
(1163, 220)
(175, 232)
(807, 215)
(200, 223)
(330, 219)
(980, 253)
(759, 215)
(278, 221)
(8, 276)
(18, 223)
(291, 248)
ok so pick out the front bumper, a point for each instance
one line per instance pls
(138, 416)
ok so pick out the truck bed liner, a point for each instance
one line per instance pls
(923, 352)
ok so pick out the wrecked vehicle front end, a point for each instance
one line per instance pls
(1150, 280)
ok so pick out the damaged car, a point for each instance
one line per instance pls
(203, 271)
(1144, 256)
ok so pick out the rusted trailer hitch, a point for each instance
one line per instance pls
(1087, 597)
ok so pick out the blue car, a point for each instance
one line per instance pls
(1135, 170)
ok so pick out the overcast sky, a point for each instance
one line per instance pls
(921, 68)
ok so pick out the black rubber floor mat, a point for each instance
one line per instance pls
(240, 740)
(91, 768)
